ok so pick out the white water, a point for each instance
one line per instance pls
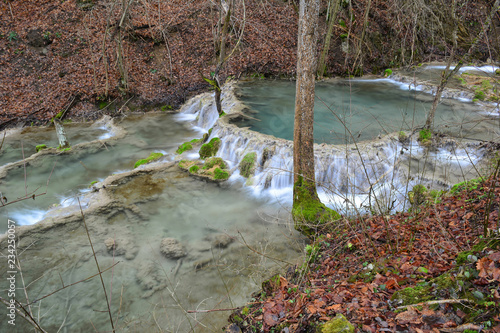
(349, 177)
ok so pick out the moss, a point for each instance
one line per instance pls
(40, 147)
(194, 169)
(402, 137)
(152, 157)
(59, 115)
(195, 141)
(308, 212)
(184, 147)
(479, 95)
(485, 84)
(336, 325)
(213, 161)
(220, 174)
(424, 135)
(418, 195)
(92, 183)
(166, 107)
(388, 72)
(472, 184)
(210, 149)
(412, 295)
(247, 165)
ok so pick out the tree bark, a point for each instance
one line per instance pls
(61, 134)
(308, 212)
(328, 37)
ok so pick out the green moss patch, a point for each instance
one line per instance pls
(184, 147)
(221, 174)
(214, 168)
(424, 135)
(308, 212)
(214, 161)
(247, 165)
(152, 157)
(40, 147)
(210, 149)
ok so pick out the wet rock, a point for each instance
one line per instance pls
(222, 241)
(151, 278)
(121, 247)
(172, 249)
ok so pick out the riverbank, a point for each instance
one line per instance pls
(435, 268)
(81, 59)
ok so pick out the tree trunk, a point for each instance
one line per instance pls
(328, 37)
(308, 211)
(61, 134)
(222, 55)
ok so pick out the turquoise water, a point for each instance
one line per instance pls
(356, 110)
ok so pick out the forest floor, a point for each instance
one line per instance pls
(435, 268)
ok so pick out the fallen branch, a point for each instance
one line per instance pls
(441, 301)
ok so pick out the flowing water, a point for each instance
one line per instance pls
(233, 235)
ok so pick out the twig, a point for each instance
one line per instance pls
(212, 310)
(441, 301)
(98, 268)
(72, 284)
(25, 315)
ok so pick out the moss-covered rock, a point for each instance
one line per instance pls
(337, 325)
(214, 169)
(40, 147)
(220, 174)
(308, 212)
(214, 161)
(247, 165)
(184, 147)
(152, 157)
(210, 149)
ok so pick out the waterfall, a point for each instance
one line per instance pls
(361, 176)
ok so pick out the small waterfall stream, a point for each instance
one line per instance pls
(349, 176)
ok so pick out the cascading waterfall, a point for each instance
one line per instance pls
(372, 175)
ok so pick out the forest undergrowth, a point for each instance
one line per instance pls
(435, 268)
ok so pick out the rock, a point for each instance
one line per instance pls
(151, 278)
(222, 241)
(337, 325)
(121, 247)
(233, 328)
(172, 249)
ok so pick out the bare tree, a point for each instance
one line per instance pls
(308, 211)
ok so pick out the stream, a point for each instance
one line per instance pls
(230, 236)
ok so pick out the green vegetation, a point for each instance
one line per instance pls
(388, 72)
(479, 95)
(12, 36)
(220, 174)
(93, 182)
(40, 147)
(424, 136)
(194, 169)
(152, 157)
(308, 212)
(166, 107)
(339, 324)
(213, 161)
(247, 165)
(184, 147)
(210, 149)
(470, 185)
(402, 136)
